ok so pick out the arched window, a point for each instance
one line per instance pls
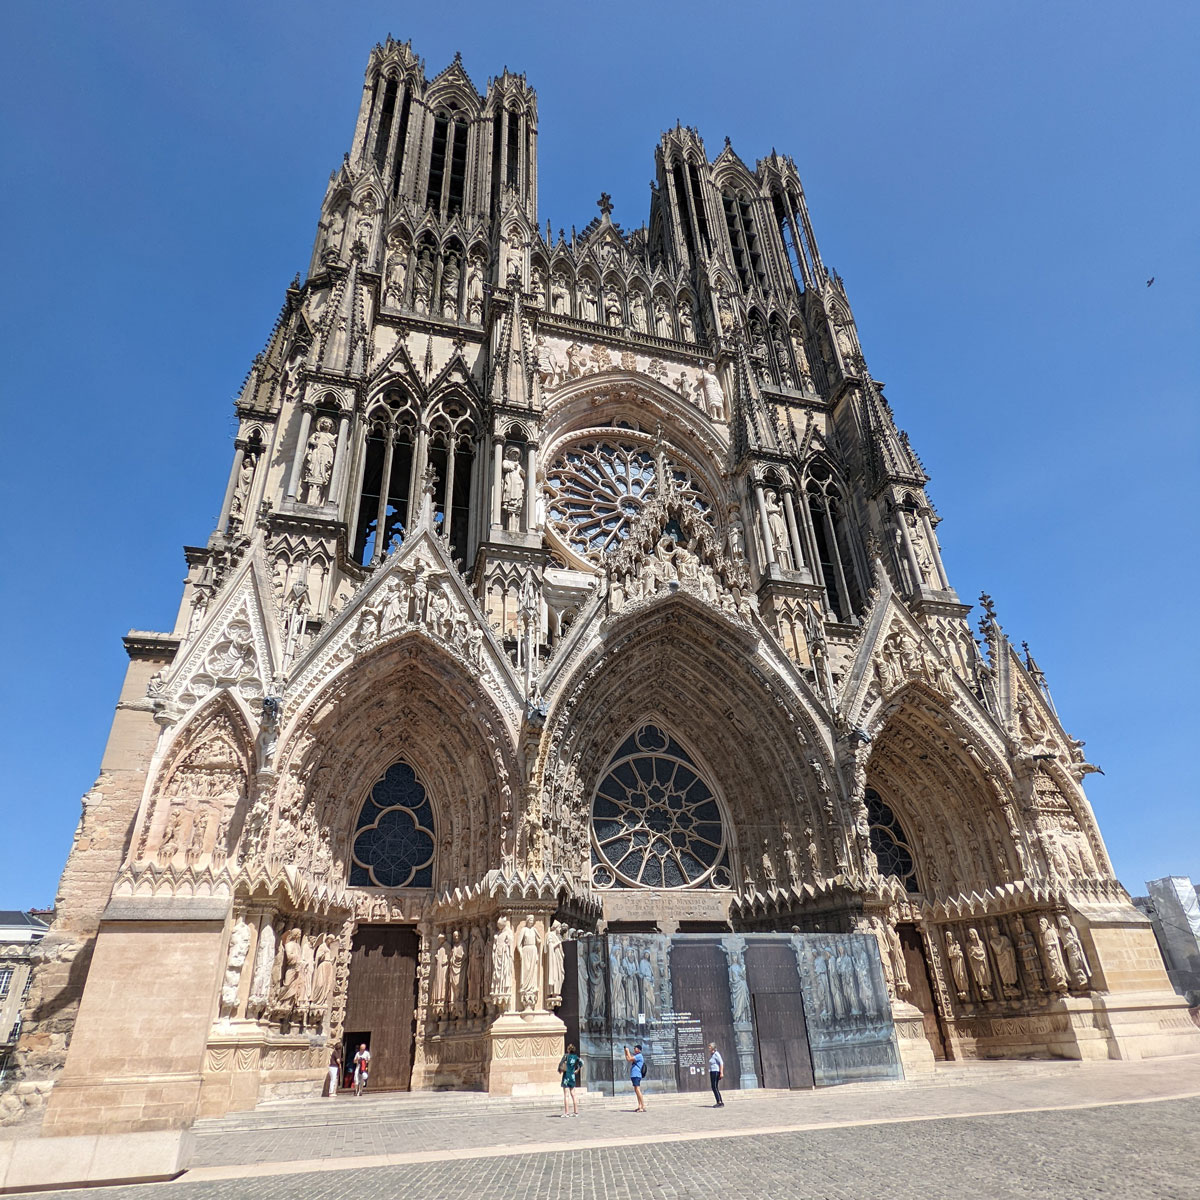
(452, 455)
(393, 839)
(447, 164)
(829, 529)
(387, 477)
(384, 133)
(890, 842)
(655, 821)
(743, 239)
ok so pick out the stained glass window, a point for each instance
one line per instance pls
(655, 821)
(597, 489)
(393, 840)
(890, 842)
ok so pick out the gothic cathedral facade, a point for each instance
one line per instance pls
(561, 583)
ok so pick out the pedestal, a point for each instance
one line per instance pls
(522, 1053)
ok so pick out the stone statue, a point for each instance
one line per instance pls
(958, 966)
(241, 491)
(648, 987)
(1052, 955)
(614, 318)
(631, 984)
(560, 296)
(768, 867)
(502, 964)
(512, 494)
(847, 981)
(789, 860)
(292, 990)
(423, 282)
(587, 300)
(454, 990)
(687, 326)
(439, 965)
(475, 289)
(239, 948)
(618, 988)
(662, 318)
(450, 277)
(1081, 971)
(397, 269)
(739, 991)
(801, 360)
(172, 840)
(537, 285)
(597, 1008)
(1030, 958)
(475, 948)
(896, 956)
(324, 970)
(555, 964)
(318, 462)
(529, 948)
(777, 527)
(637, 310)
(264, 964)
(981, 969)
(714, 398)
(1006, 958)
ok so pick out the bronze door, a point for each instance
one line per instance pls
(382, 999)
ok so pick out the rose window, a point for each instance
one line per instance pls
(393, 840)
(597, 489)
(655, 822)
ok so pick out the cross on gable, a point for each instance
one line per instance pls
(604, 204)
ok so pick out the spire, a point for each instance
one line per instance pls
(889, 457)
(514, 374)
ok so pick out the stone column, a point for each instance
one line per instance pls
(355, 503)
(910, 553)
(306, 416)
(934, 552)
(789, 512)
(448, 505)
(385, 486)
(497, 476)
(340, 462)
(530, 485)
(743, 1030)
(416, 476)
(764, 527)
(239, 454)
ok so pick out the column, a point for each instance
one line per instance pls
(764, 527)
(934, 550)
(239, 454)
(913, 568)
(835, 554)
(497, 475)
(385, 486)
(340, 462)
(306, 416)
(356, 503)
(416, 476)
(789, 512)
(448, 505)
(530, 485)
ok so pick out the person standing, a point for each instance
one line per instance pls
(335, 1069)
(571, 1069)
(637, 1065)
(362, 1068)
(716, 1072)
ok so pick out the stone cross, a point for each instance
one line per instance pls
(604, 204)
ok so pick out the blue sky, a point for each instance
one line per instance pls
(994, 181)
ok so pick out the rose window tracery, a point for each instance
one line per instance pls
(596, 490)
(655, 821)
(393, 840)
(890, 843)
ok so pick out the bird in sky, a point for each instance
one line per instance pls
(1150, 281)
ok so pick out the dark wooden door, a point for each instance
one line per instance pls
(700, 986)
(382, 999)
(921, 995)
(784, 1060)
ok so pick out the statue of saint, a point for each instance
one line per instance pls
(981, 969)
(423, 282)
(958, 966)
(502, 964)
(529, 947)
(450, 277)
(512, 495)
(555, 964)
(687, 326)
(777, 527)
(318, 462)
(397, 269)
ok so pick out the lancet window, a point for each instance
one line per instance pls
(743, 238)
(890, 843)
(393, 842)
(828, 528)
(387, 477)
(452, 456)
(596, 489)
(447, 164)
(656, 822)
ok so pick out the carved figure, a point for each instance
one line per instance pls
(739, 991)
(631, 984)
(241, 491)
(1030, 958)
(423, 282)
(637, 310)
(777, 527)
(714, 397)
(687, 326)
(560, 296)
(768, 867)
(614, 318)
(981, 969)
(172, 840)
(475, 289)
(318, 462)
(264, 965)
(662, 318)
(397, 269)
(502, 964)
(292, 990)
(896, 956)
(324, 970)
(454, 978)
(239, 948)
(649, 989)
(587, 300)
(958, 966)
(439, 966)
(529, 948)
(1006, 959)
(847, 981)
(1052, 956)
(512, 498)
(1081, 970)
(475, 964)
(451, 274)
(555, 964)
(537, 285)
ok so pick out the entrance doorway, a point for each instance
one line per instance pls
(381, 1001)
(921, 995)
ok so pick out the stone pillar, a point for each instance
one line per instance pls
(789, 512)
(743, 1023)
(764, 527)
(306, 416)
(385, 486)
(341, 457)
(934, 552)
(497, 476)
(239, 454)
(530, 485)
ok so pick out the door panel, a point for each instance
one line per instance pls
(382, 998)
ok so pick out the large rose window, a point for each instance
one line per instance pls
(655, 822)
(393, 840)
(597, 489)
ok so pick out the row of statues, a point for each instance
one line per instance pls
(472, 973)
(611, 305)
(448, 284)
(1052, 957)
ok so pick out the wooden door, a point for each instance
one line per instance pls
(784, 1059)
(700, 987)
(382, 1000)
(921, 995)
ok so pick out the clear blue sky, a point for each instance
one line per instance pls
(994, 181)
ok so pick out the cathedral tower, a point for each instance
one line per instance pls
(561, 584)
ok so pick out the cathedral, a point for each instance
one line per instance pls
(565, 587)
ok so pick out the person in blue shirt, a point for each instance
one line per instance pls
(636, 1064)
(716, 1072)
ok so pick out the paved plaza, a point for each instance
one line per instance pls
(1061, 1130)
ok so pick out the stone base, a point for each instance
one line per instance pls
(916, 1054)
(35, 1164)
(521, 1054)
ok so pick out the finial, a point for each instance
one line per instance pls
(458, 59)
(604, 204)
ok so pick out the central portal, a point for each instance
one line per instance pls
(382, 1001)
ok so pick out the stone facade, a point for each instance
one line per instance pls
(561, 582)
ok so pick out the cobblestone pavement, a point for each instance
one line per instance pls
(1131, 1151)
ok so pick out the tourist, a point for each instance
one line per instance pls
(362, 1068)
(335, 1069)
(716, 1072)
(570, 1067)
(637, 1066)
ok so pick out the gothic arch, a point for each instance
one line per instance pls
(688, 668)
(407, 700)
